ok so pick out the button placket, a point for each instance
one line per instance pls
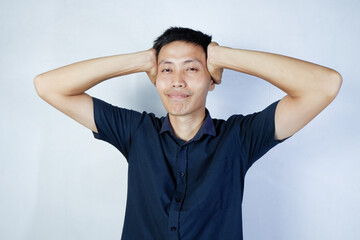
(176, 203)
(181, 183)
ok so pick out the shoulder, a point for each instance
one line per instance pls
(106, 111)
(232, 120)
(256, 121)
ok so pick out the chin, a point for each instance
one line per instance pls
(177, 112)
(177, 109)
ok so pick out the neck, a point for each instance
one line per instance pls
(186, 127)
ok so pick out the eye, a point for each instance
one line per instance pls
(192, 69)
(166, 70)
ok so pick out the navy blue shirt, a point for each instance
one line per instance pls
(185, 190)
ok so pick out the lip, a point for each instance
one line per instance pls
(178, 95)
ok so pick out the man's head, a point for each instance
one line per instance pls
(182, 34)
(183, 80)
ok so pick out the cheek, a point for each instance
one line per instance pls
(159, 82)
(161, 86)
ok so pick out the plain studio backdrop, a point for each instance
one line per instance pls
(58, 182)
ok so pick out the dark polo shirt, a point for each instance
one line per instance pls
(185, 190)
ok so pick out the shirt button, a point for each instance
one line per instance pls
(173, 228)
(177, 199)
(182, 174)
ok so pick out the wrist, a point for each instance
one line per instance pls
(215, 56)
(148, 60)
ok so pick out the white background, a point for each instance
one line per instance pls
(57, 182)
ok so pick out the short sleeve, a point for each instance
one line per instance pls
(257, 133)
(114, 125)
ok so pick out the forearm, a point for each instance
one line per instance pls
(295, 77)
(76, 78)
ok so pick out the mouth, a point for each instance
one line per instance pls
(178, 95)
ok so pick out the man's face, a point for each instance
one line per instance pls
(183, 80)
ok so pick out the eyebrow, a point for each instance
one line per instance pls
(165, 61)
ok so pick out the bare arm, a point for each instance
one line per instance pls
(64, 88)
(309, 87)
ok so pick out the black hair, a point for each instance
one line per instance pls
(182, 34)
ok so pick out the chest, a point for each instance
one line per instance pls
(203, 173)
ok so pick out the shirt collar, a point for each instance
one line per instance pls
(207, 127)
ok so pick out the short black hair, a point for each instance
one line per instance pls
(182, 34)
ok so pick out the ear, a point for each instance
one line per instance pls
(212, 85)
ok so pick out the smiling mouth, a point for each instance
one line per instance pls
(178, 95)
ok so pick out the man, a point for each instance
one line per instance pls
(186, 170)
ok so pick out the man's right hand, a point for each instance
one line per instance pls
(152, 69)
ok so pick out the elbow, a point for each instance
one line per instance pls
(333, 84)
(39, 84)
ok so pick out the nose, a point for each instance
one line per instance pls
(178, 81)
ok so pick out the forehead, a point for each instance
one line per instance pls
(180, 50)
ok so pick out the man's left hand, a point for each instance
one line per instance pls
(214, 69)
